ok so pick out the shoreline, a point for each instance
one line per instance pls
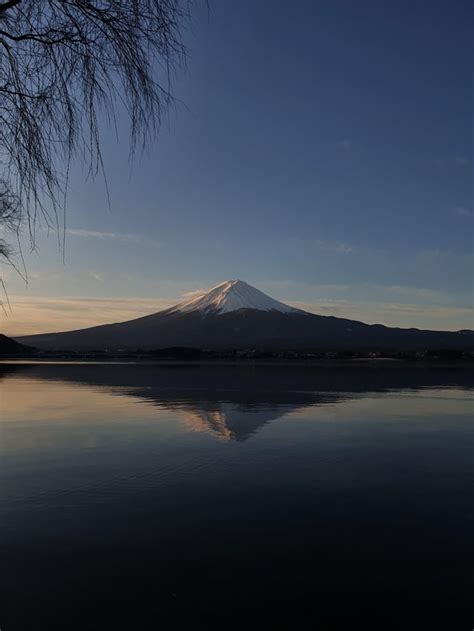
(321, 362)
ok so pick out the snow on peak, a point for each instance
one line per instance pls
(231, 296)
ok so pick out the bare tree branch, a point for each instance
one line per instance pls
(8, 5)
(66, 64)
(10, 215)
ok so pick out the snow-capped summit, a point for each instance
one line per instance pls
(233, 295)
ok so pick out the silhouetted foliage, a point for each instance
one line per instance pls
(66, 65)
(9, 217)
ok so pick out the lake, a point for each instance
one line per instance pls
(215, 496)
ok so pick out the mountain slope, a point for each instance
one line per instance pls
(8, 346)
(236, 315)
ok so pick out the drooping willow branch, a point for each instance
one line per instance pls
(65, 65)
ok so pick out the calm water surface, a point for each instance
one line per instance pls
(215, 496)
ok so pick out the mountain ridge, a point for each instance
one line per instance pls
(9, 346)
(236, 315)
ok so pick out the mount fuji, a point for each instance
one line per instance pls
(237, 315)
(232, 296)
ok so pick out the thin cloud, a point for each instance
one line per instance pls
(97, 276)
(462, 161)
(345, 144)
(450, 161)
(42, 314)
(332, 247)
(338, 247)
(195, 293)
(463, 211)
(436, 317)
(104, 236)
(121, 237)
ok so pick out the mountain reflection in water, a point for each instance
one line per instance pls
(222, 496)
(236, 401)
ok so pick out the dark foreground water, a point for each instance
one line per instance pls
(202, 497)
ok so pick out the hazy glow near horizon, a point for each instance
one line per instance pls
(317, 172)
(46, 315)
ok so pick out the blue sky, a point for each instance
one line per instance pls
(321, 151)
